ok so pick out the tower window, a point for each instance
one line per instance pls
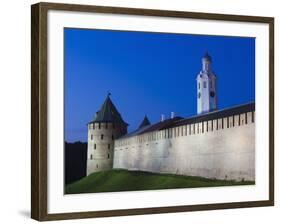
(108, 155)
(108, 146)
(101, 137)
(91, 156)
(99, 125)
(199, 85)
(91, 137)
(112, 137)
(205, 84)
(95, 146)
(199, 95)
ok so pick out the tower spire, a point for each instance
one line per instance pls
(206, 62)
(145, 122)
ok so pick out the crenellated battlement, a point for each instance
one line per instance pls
(196, 128)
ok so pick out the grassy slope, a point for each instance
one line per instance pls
(124, 180)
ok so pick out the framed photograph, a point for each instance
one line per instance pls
(139, 111)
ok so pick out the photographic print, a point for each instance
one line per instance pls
(152, 111)
(141, 111)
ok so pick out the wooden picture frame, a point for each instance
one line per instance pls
(39, 110)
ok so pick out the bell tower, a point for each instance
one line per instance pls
(206, 87)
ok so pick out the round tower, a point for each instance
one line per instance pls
(106, 126)
(206, 87)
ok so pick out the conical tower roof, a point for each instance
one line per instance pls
(145, 122)
(108, 113)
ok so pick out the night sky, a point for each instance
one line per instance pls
(149, 73)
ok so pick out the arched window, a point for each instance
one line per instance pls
(108, 155)
(91, 157)
(101, 137)
(108, 146)
(95, 146)
(205, 84)
(112, 137)
(198, 85)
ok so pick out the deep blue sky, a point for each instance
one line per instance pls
(149, 73)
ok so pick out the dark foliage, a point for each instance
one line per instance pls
(75, 161)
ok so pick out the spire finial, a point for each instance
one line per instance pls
(207, 56)
(108, 93)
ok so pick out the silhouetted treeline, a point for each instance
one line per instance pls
(75, 161)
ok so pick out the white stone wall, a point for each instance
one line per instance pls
(195, 149)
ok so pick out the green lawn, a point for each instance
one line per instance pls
(124, 180)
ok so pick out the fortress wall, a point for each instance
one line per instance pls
(222, 149)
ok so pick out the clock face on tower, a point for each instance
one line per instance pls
(212, 94)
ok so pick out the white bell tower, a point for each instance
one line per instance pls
(206, 87)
